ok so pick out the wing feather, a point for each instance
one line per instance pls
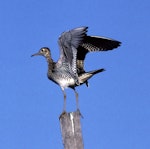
(69, 41)
(75, 44)
(92, 44)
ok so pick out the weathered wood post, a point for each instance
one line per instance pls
(71, 130)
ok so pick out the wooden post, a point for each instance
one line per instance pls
(71, 130)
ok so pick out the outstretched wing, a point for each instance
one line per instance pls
(68, 43)
(91, 44)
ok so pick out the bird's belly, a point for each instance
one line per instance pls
(66, 82)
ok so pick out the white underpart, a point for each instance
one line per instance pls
(65, 83)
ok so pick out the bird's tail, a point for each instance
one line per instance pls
(96, 71)
(83, 78)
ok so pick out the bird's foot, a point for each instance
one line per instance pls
(62, 115)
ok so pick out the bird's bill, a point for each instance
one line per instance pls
(36, 54)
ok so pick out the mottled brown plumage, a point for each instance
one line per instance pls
(69, 71)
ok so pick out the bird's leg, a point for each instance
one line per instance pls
(77, 102)
(64, 106)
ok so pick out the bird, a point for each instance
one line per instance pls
(69, 70)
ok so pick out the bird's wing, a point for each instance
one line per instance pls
(91, 44)
(69, 42)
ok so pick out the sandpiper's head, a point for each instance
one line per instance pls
(43, 52)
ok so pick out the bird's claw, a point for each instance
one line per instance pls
(62, 114)
(78, 111)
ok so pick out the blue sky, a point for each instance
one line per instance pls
(116, 106)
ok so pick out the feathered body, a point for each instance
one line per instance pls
(69, 71)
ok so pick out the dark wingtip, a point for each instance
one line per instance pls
(119, 43)
(114, 44)
(103, 69)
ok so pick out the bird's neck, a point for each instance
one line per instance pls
(50, 64)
